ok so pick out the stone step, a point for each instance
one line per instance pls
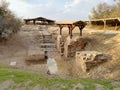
(6, 84)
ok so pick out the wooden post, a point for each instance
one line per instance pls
(80, 27)
(116, 26)
(34, 22)
(69, 27)
(61, 29)
(71, 34)
(104, 24)
(25, 21)
(81, 32)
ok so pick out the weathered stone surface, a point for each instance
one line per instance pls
(116, 89)
(52, 66)
(6, 84)
(66, 46)
(79, 86)
(73, 45)
(20, 88)
(27, 83)
(58, 42)
(90, 59)
(35, 55)
(38, 87)
(13, 64)
(116, 84)
(99, 87)
(57, 87)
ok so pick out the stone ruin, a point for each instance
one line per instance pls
(89, 59)
(75, 45)
(60, 44)
(68, 47)
(35, 56)
(39, 53)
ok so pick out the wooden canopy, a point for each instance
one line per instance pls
(71, 25)
(39, 20)
(107, 21)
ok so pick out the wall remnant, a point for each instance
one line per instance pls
(73, 45)
(89, 59)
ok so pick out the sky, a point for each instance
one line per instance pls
(54, 9)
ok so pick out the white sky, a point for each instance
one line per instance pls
(54, 9)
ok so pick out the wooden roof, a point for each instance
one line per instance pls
(39, 19)
(106, 19)
(71, 25)
(43, 19)
(69, 22)
(65, 22)
(28, 19)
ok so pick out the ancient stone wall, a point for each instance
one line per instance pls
(35, 55)
(89, 59)
(71, 46)
(58, 42)
(66, 46)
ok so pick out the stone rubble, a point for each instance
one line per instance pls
(90, 59)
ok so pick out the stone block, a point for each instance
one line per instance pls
(35, 55)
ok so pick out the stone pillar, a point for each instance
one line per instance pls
(58, 42)
(66, 44)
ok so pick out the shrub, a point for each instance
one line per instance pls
(9, 23)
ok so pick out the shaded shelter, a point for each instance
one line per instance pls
(71, 25)
(115, 22)
(39, 20)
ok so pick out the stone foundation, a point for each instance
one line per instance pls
(68, 47)
(89, 59)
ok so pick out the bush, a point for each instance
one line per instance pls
(9, 23)
(104, 10)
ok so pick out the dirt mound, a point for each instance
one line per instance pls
(107, 43)
(109, 70)
(77, 45)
